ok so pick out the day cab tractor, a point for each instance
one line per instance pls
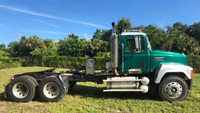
(134, 67)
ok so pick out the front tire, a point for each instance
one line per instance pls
(173, 88)
(50, 89)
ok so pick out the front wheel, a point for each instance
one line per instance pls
(173, 88)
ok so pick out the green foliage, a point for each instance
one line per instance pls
(72, 62)
(194, 31)
(2, 46)
(14, 48)
(100, 42)
(123, 24)
(72, 46)
(175, 39)
(97, 34)
(100, 62)
(64, 61)
(49, 49)
(6, 61)
(194, 61)
(105, 35)
(27, 45)
(103, 54)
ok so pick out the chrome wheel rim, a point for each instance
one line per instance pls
(173, 90)
(20, 90)
(51, 90)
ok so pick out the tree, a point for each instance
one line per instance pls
(99, 42)
(194, 31)
(2, 46)
(97, 34)
(179, 26)
(13, 48)
(122, 25)
(71, 46)
(27, 45)
(106, 35)
(156, 36)
(48, 49)
(88, 46)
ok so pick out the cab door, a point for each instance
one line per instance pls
(136, 56)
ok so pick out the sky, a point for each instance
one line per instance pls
(56, 19)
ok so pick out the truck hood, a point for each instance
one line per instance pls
(160, 57)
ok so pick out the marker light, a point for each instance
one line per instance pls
(125, 74)
(116, 74)
(191, 73)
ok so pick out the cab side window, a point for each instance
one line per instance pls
(134, 43)
(130, 44)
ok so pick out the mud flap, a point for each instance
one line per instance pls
(5, 90)
(64, 80)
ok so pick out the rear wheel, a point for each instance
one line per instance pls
(50, 90)
(33, 79)
(173, 88)
(21, 89)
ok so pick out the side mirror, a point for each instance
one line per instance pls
(137, 43)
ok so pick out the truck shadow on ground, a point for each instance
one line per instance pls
(97, 92)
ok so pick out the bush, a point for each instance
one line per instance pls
(63, 61)
(100, 62)
(74, 62)
(194, 62)
(7, 62)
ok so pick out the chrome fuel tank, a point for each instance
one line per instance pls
(90, 66)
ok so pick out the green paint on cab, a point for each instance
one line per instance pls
(144, 59)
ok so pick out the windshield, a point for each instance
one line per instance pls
(148, 44)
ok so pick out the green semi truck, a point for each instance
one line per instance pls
(134, 67)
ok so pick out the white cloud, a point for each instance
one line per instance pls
(18, 35)
(162, 25)
(56, 41)
(50, 16)
(47, 32)
(86, 36)
(41, 21)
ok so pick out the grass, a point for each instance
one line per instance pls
(88, 97)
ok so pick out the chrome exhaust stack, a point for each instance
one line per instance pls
(114, 49)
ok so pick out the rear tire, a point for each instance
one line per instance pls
(21, 89)
(51, 90)
(173, 88)
(33, 79)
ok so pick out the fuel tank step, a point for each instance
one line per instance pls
(123, 90)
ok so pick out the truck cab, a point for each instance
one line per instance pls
(134, 55)
(139, 68)
(137, 57)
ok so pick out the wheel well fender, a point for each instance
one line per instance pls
(172, 69)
